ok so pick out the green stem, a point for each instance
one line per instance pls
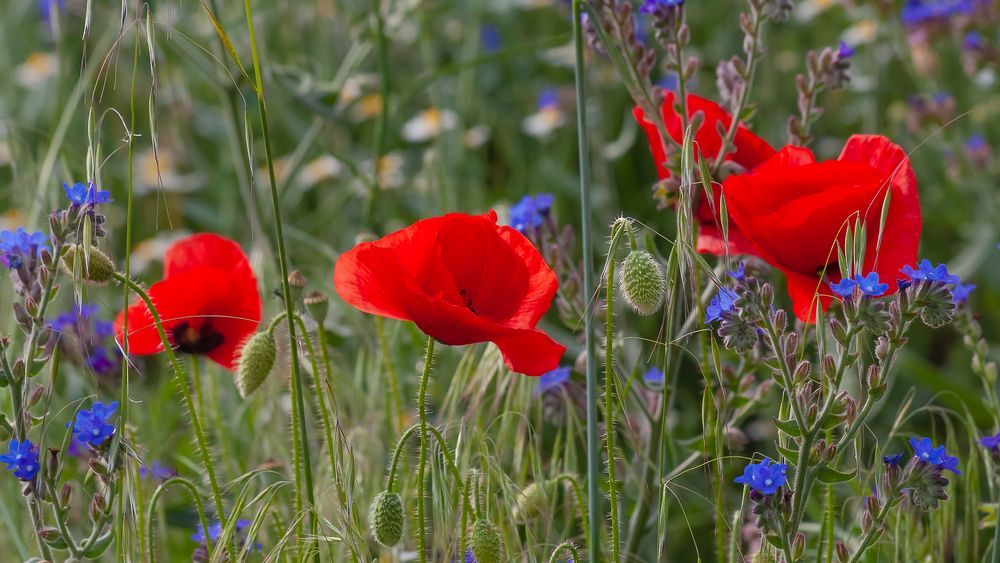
(283, 266)
(421, 469)
(609, 384)
(786, 541)
(567, 547)
(390, 368)
(195, 496)
(593, 449)
(581, 506)
(181, 381)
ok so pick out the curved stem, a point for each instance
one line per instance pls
(609, 386)
(181, 381)
(575, 485)
(390, 368)
(565, 546)
(152, 506)
(421, 469)
(593, 449)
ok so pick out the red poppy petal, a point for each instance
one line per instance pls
(901, 238)
(372, 279)
(530, 352)
(655, 145)
(804, 290)
(205, 250)
(176, 301)
(542, 284)
(711, 241)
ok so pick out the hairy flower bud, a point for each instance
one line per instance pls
(385, 518)
(255, 363)
(532, 500)
(487, 543)
(93, 266)
(317, 304)
(843, 556)
(642, 283)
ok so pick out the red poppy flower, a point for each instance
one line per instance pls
(795, 210)
(462, 279)
(751, 150)
(208, 302)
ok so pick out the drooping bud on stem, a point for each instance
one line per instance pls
(385, 518)
(255, 363)
(487, 543)
(642, 283)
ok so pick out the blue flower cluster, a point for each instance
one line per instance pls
(215, 532)
(86, 194)
(91, 426)
(990, 442)
(924, 450)
(916, 12)
(723, 302)
(18, 246)
(893, 460)
(90, 332)
(22, 459)
(869, 286)
(531, 211)
(650, 6)
(764, 477)
(552, 380)
(926, 271)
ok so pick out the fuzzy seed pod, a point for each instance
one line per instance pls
(487, 543)
(642, 283)
(385, 518)
(532, 500)
(95, 267)
(255, 363)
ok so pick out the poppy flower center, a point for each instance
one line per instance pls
(197, 340)
(467, 300)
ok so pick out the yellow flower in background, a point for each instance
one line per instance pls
(428, 124)
(548, 118)
(11, 220)
(864, 31)
(159, 171)
(37, 69)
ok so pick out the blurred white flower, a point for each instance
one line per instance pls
(159, 171)
(428, 124)
(477, 136)
(548, 118)
(863, 32)
(809, 9)
(321, 168)
(37, 69)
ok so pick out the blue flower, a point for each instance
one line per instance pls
(530, 211)
(927, 272)
(215, 531)
(924, 450)
(763, 477)
(973, 40)
(740, 272)
(870, 286)
(99, 361)
(91, 426)
(962, 291)
(20, 245)
(990, 442)
(22, 459)
(45, 8)
(548, 98)
(669, 82)
(156, 471)
(86, 194)
(650, 6)
(653, 376)
(893, 459)
(489, 38)
(552, 380)
(919, 11)
(845, 288)
(723, 302)
(976, 142)
(844, 51)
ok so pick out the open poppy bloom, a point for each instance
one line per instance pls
(208, 302)
(461, 279)
(796, 211)
(750, 151)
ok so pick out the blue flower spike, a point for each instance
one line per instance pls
(925, 271)
(764, 477)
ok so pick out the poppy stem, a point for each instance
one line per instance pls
(181, 380)
(593, 448)
(305, 489)
(422, 408)
(565, 546)
(620, 227)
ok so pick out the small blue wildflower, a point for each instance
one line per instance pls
(845, 288)
(915, 12)
(724, 301)
(489, 38)
(99, 361)
(156, 471)
(763, 477)
(86, 194)
(844, 51)
(903, 284)
(650, 6)
(552, 380)
(740, 272)
(669, 82)
(91, 426)
(653, 376)
(962, 291)
(20, 245)
(924, 450)
(927, 272)
(22, 459)
(893, 460)
(530, 211)
(215, 531)
(976, 142)
(548, 98)
(990, 442)
(103, 328)
(45, 8)
(870, 286)
(972, 41)
(69, 318)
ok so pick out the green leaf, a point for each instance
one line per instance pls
(789, 427)
(229, 46)
(831, 476)
(788, 453)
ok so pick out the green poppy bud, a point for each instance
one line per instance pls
(487, 543)
(642, 283)
(385, 518)
(532, 500)
(317, 304)
(93, 266)
(255, 363)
